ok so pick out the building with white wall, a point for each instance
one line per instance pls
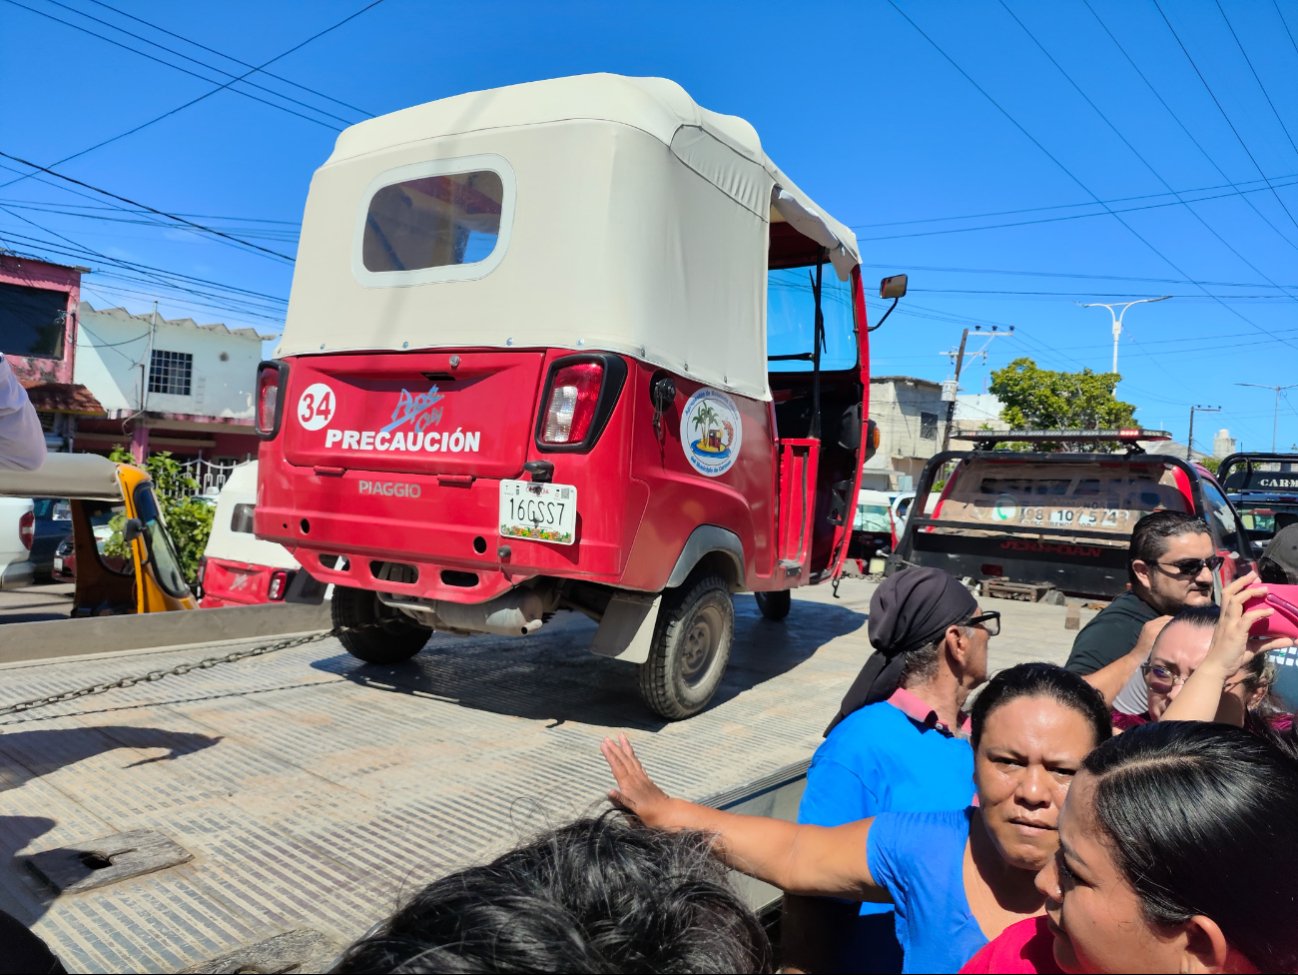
(168, 384)
(911, 417)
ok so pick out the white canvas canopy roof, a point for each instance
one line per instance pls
(86, 476)
(631, 220)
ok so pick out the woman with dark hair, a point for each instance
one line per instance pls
(1231, 684)
(954, 877)
(1177, 853)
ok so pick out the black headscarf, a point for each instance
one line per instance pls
(908, 611)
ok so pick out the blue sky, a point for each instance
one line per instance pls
(1015, 157)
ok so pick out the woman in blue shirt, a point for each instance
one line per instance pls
(956, 878)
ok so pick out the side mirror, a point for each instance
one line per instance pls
(133, 529)
(893, 286)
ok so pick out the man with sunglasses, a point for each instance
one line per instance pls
(1170, 562)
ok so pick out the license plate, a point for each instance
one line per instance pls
(58, 564)
(541, 512)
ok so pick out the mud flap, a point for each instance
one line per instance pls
(627, 628)
(305, 588)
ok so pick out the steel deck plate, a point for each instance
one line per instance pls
(315, 792)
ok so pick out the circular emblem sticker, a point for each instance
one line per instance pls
(315, 407)
(711, 432)
(1006, 508)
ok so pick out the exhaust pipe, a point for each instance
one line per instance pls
(515, 613)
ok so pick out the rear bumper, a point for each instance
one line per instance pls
(447, 533)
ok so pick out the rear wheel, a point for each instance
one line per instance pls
(774, 605)
(692, 637)
(373, 632)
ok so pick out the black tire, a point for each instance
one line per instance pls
(774, 605)
(691, 645)
(388, 637)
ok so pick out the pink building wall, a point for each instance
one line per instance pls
(28, 272)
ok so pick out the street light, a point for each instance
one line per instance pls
(1117, 317)
(1275, 421)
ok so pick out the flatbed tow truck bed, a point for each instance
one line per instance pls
(313, 792)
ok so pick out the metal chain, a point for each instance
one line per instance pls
(176, 671)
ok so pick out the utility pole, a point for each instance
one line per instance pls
(1189, 440)
(1275, 420)
(1117, 318)
(951, 388)
(954, 391)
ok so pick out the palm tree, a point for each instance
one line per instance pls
(705, 417)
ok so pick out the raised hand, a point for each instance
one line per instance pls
(1231, 646)
(635, 792)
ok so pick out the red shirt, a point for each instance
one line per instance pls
(1026, 946)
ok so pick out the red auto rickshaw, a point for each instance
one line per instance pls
(570, 345)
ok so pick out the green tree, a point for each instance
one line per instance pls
(188, 519)
(1033, 398)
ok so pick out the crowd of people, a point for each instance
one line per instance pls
(1131, 811)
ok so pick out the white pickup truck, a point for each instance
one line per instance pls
(17, 528)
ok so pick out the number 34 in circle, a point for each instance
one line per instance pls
(315, 407)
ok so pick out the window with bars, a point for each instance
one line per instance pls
(171, 372)
(928, 426)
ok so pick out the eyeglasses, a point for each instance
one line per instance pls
(1189, 568)
(1160, 678)
(991, 622)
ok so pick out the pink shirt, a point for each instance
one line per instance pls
(1026, 946)
(919, 711)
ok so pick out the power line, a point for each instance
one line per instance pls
(256, 233)
(1059, 163)
(231, 57)
(1256, 77)
(174, 67)
(1238, 190)
(1134, 151)
(1107, 212)
(1069, 274)
(1213, 95)
(144, 206)
(116, 207)
(80, 251)
(1184, 128)
(203, 64)
(195, 101)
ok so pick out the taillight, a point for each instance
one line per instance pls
(278, 586)
(27, 528)
(574, 398)
(268, 383)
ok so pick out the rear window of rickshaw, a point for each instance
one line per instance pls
(791, 319)
(437, 221)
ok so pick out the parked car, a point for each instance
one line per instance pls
(65, 556)
(1058, 520)
(238, 568)
(1264, 490)
(871, 531)
(53, 523)
(17, 530)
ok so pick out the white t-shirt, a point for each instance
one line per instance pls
(22, 441)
